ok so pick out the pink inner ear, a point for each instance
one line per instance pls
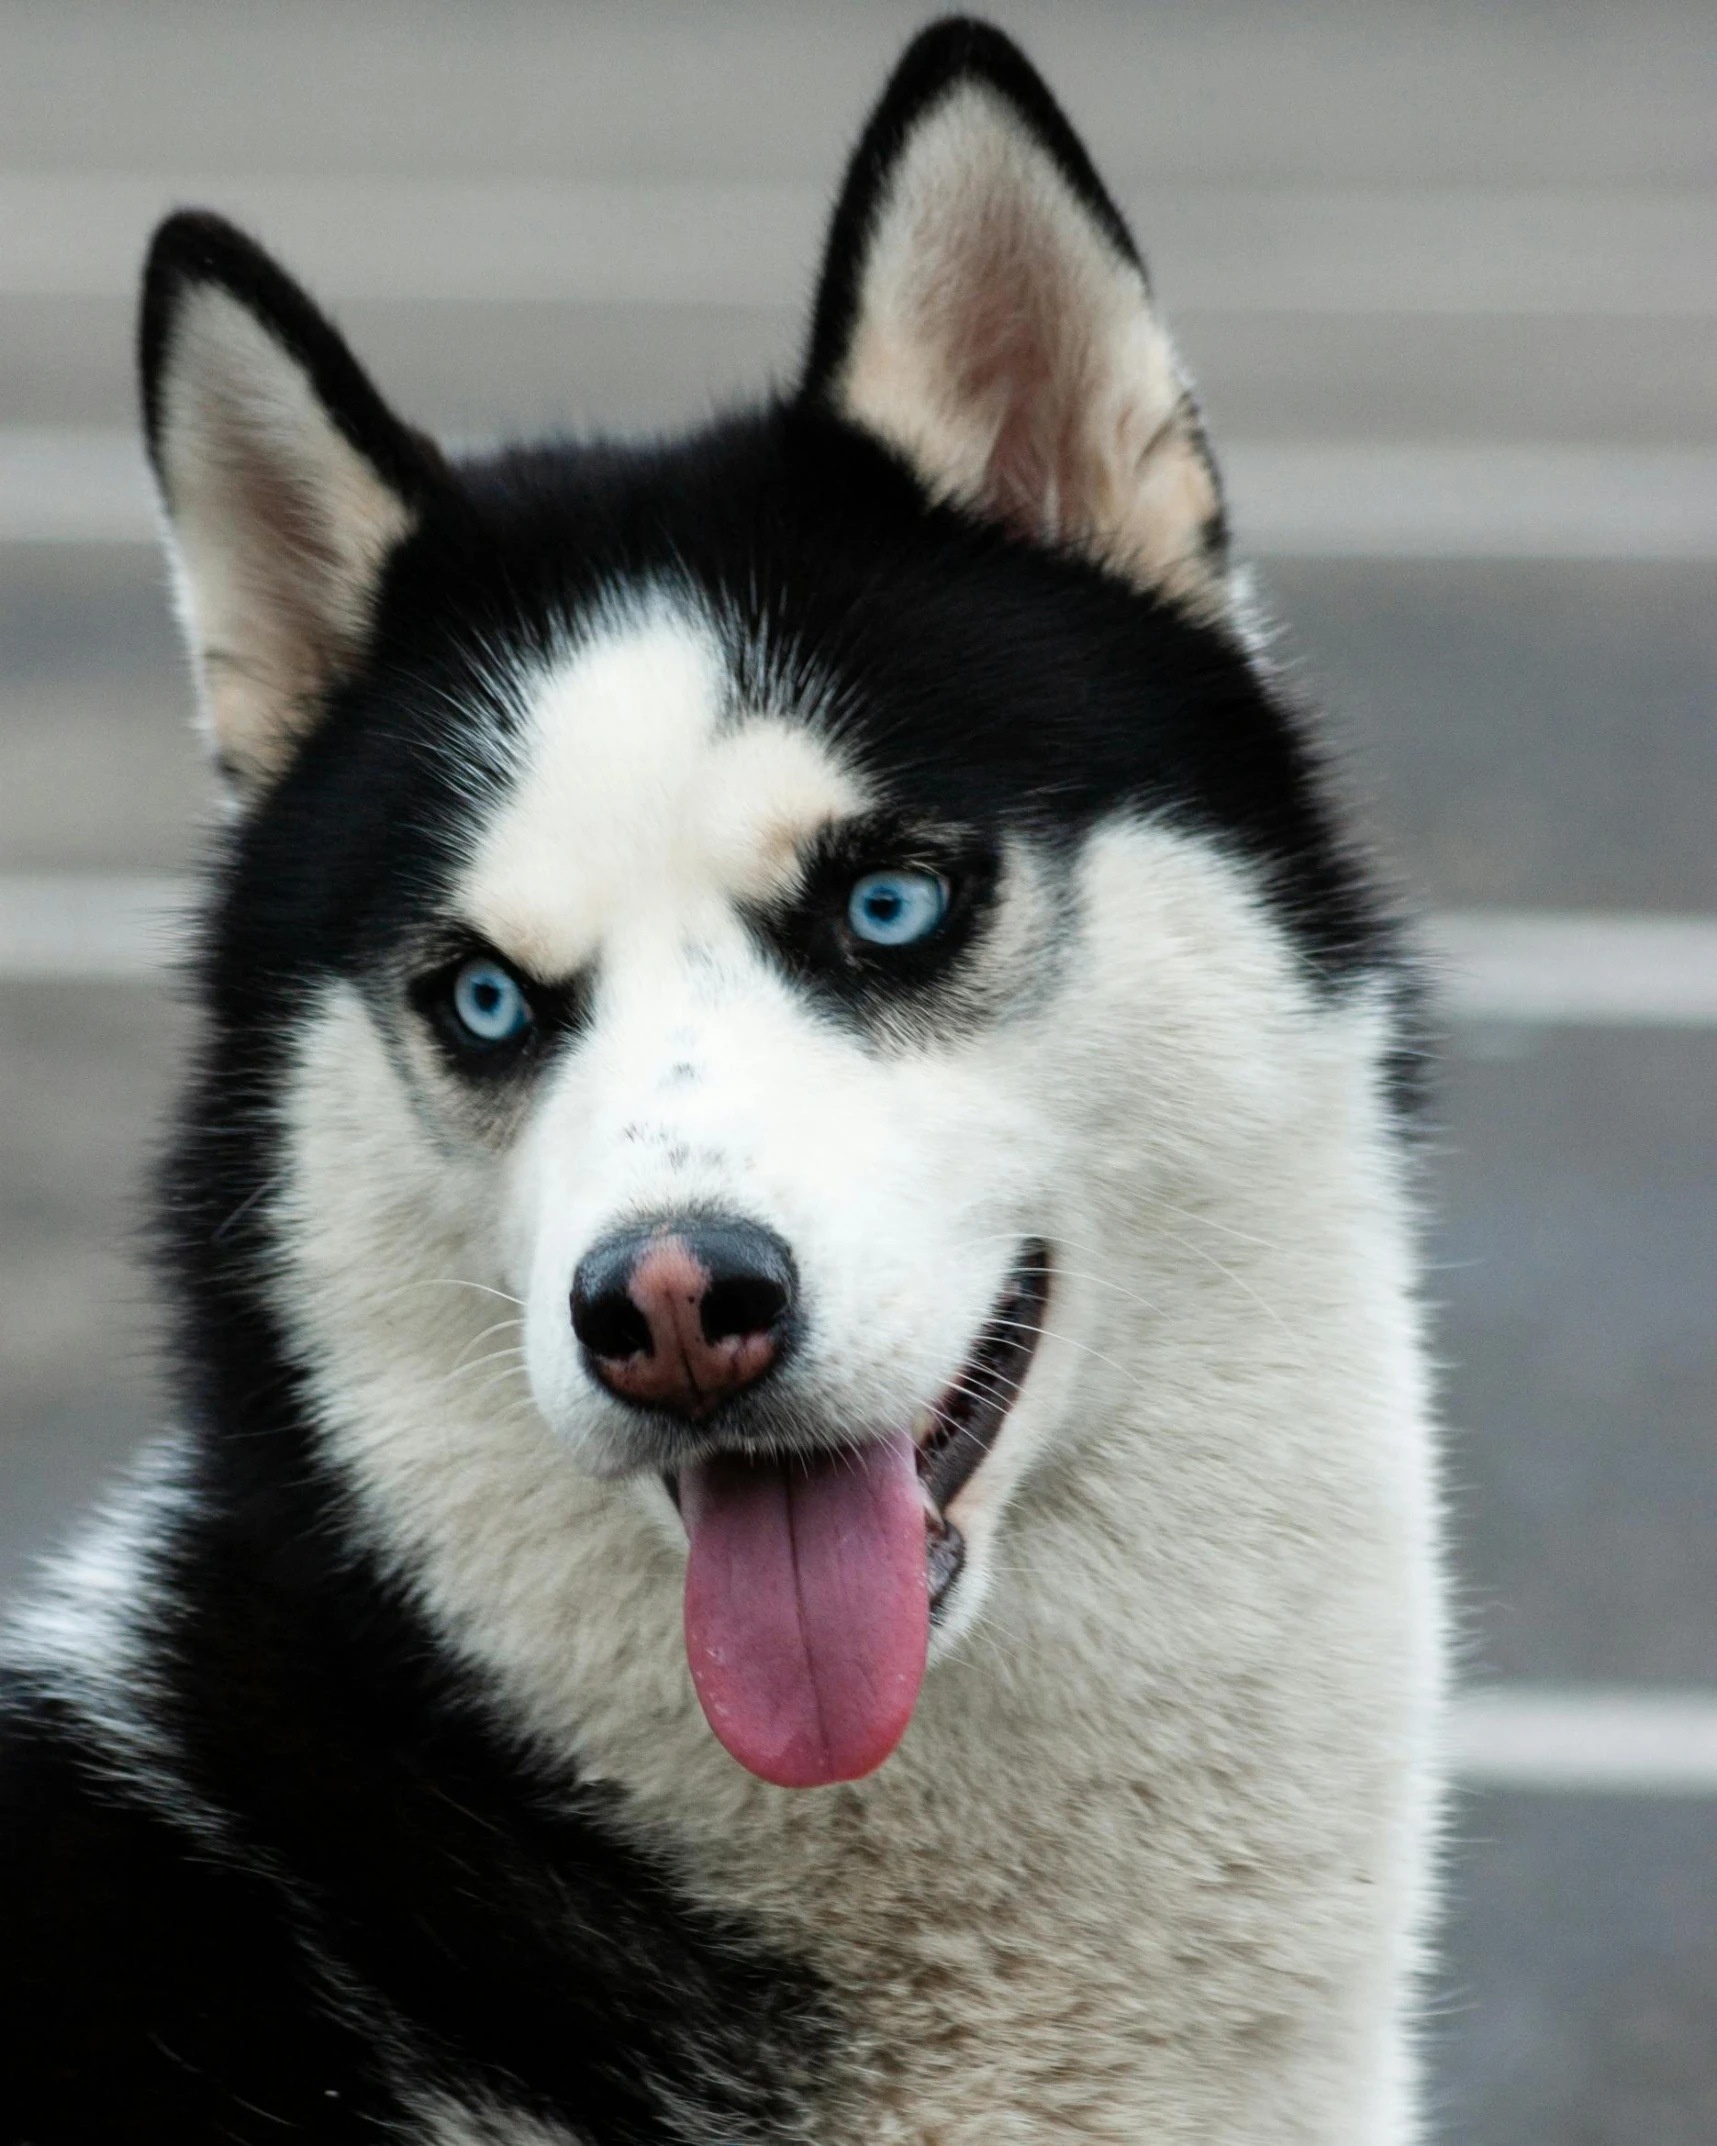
(1010, 348)
(1010, 329)
(1038, 479)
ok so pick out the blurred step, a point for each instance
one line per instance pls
(86, 1076)
(1571, 252)
(1289, 499)
(1232, 89)
(98, 762)
(1519, 734)
(1577, 1978)
(1572, 1181)
(479, 370)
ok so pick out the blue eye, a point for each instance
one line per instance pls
(489, 1005)
(897, 908)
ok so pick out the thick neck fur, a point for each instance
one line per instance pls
(1123, 1879)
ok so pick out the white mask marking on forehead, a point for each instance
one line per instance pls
(635, 800)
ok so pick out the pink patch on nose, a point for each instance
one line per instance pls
(683, 1369)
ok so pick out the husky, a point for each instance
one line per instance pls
(804, 1506)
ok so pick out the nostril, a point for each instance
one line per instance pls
(605, 1316)
(612, 1325)
(742, 1304)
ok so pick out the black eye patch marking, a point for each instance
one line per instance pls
(884, 911)
(491, 1020)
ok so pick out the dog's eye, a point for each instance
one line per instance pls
(897, 908)
(488, 1004)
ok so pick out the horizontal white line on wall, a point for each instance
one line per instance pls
(1472, 500)
(1490, 965)
(1581, 969)
(1586, 1740)
(1291, 499)
(716, 242)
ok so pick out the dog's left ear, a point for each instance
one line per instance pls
(984, 311)
(287, 483)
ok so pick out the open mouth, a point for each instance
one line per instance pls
(954, 1438)
(811, 1580)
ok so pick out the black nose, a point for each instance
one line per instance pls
(684, 1314)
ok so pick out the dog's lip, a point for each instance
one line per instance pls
(956, 1434)
(955, 1437)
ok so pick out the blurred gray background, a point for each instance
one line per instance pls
(1448, 278)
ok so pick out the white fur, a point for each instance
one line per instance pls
(89, 1633)
(486, 2123)
(636, 807)
(1148, 1863)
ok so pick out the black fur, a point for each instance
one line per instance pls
(393, 1890)
(195, 248)
(395, 1896)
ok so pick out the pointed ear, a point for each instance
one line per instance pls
(984, 311)
(286, 482)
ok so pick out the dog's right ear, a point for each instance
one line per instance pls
(287, 485)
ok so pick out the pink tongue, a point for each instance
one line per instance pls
(807, 1607)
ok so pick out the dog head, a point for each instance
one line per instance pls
(721, 943)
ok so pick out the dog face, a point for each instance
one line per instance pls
(720, 944)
